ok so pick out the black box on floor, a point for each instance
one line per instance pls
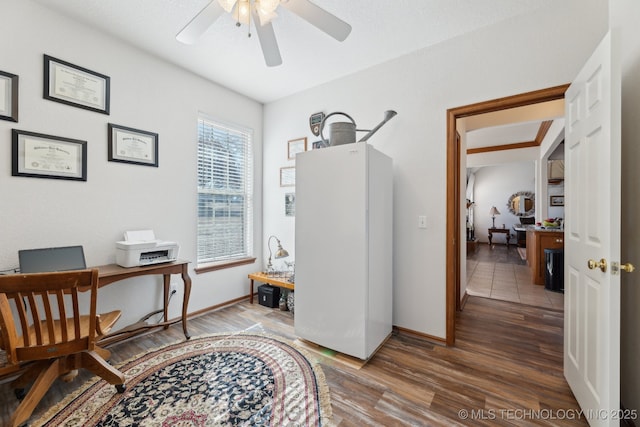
(268, 295)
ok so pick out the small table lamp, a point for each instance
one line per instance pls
(280, 253)
(493, 212)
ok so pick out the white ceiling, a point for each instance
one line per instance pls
(501, 135)
(382, 30)
(510, 126)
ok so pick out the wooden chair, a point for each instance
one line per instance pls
(51, 333)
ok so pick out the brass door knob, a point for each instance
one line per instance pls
(602, 265)
(628, 267)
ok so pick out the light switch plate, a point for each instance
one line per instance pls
(422, 221)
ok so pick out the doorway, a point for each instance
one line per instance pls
(454, 194)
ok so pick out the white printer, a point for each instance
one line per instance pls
(142, 248)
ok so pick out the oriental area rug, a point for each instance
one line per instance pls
(219, 380)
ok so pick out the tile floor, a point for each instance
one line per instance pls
(499, 273)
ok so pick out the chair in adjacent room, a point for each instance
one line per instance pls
(45, 336)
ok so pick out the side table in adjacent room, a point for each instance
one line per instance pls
(504, 231)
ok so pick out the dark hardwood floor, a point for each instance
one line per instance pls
(506, 369)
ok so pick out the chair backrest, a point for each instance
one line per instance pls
(40, 314)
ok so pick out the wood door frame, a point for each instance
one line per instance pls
(453, 245)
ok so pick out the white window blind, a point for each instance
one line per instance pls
(225, 193)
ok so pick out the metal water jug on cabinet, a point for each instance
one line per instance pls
(345, 132)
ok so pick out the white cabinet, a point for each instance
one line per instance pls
(344, 248)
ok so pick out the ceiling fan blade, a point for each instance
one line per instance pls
(268, 41)
(320, 18)
(200, 23)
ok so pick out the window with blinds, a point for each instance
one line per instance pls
(225, 194)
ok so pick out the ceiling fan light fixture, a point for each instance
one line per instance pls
(266, 10)
(242, 12)
(267, 17)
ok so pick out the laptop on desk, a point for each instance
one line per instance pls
(51, 259)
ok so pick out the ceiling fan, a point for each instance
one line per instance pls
(262, 12)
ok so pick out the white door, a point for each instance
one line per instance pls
(592, 232)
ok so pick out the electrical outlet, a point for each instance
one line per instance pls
(173, 288)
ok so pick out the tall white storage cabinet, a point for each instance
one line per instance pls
(344, 208)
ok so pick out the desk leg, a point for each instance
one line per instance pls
(185, 302)
(490, 237)
(251, 292)
(167, 287)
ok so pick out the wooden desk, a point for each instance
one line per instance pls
(504, 231)
(280, 282)
(111, 273)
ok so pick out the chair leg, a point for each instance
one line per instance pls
(30, 374)
(92, 361)
(103, 352)
(38, 390)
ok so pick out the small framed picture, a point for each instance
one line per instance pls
(128, 145)
(319, 144)
(76, 86)
(45, 156)
(556, 200)
(296, 146)
(8, 97)
(288, 176)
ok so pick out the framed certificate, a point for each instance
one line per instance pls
(45, 156)
(288, 176)
(8, 96)
(73, 85)
(128, 145)
(296, 146)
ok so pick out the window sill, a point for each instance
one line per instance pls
(213, 266)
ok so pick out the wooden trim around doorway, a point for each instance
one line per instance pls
(453, 185)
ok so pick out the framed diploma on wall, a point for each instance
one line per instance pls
(77, 86)
(8, 96)
(128, 145)
(296, 146)
(288, 176)
(37, 155)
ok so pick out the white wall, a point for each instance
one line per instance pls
(549, 148)
(494, 185)
(147, 94)
(554, 211)
(506, 59)
(498, 61)
(624, 16)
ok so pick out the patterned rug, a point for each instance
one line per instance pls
(218, 380)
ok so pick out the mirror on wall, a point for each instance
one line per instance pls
(522, 203)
